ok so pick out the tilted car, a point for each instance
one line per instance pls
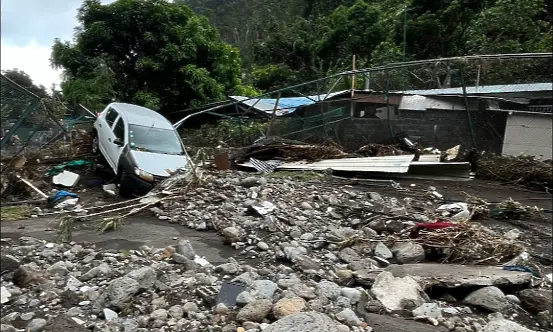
(140, 145)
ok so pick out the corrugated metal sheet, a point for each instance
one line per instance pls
(263, 166)
(285, 105)
(388, 164)
(485, 89)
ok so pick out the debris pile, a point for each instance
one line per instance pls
(522, 170)
(311, 256)
(290, 151)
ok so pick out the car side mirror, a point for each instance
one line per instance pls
(118, 142)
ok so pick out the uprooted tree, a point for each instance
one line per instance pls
(153, 53)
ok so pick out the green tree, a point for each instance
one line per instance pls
(153, 53)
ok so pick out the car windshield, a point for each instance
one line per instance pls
(153, 139)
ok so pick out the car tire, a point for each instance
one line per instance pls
(125, 185)
(95, 146)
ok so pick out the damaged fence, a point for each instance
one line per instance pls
(499, 104)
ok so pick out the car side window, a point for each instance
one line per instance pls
(111, 116)
(119, 130)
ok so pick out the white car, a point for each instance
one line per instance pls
(139, 144)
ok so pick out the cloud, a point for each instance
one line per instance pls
(32, 58)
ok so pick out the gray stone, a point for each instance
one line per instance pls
(349, 255)
(25, 276)
(294, 252)
(228, 268)
(7, 328)
(498, 324)
(8, 264)
(431, 310)
(262, 246)
(490, 298)
(255, 311)
(245, 298)
(146, 277)
(394, 226)
(408, 252)
(353, 294)
(536, 300)
(328, 289)
(117, 294)
(397, 293)
(305, 322)
(382, 251)
(176, 312)
(59, 268)
(184, 247)
(304, 291)
(37, 325)
(264, 289)
(110, 314)
(159, 314)
(102, 270)
(513, 299)
(231, 234)
(349, 317)
(189, 264)
(189, 307)
(27, 316)
(252, 182)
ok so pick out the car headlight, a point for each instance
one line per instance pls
(144, 175)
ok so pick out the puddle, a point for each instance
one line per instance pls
(119, 244)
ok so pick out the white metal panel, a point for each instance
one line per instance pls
(388, 164)
(529, 134)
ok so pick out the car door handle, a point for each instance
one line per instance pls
(109, 139)
(100, 125)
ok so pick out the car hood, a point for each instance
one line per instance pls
(157, 163)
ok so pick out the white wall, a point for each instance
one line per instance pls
(529, 133)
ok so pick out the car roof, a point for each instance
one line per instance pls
(141, 116)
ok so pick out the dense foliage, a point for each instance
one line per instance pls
(175, 55)
(285, 42)
(154, 53)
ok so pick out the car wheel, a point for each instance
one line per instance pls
(95, 146)
(125, 185)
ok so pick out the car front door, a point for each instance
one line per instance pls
(105, 133)
(118, 133)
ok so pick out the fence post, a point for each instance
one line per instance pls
(465, 97)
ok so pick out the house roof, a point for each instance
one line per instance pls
(285, 105)
(484, 89)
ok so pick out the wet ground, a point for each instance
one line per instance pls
(133, 233)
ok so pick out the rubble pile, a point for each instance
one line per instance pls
(523, 170)
(310, 257)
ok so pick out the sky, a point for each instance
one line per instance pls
(28, 30)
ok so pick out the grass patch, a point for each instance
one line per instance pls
(297, 175)
(110, 224)
(17, 212)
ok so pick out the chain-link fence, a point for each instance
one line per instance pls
(480, 103)
(27, 121)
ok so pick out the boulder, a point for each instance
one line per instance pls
(288, 306)
(305, 322)
(408, 252)
(397, 293)
(255, 311)
(536, 300)
(490, 298)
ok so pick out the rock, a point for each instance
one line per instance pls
(231, 234)
(109, 314)
(352, 294)
(397, 293)
(292, 253)
(264, 289)
(377, 225)
(305, 322)
(544, 319)
(328, 289)
(303, 291)
(102, 270)
(349, 255)
(513, 299)
(394, 226)
(189, 264)
(499, 324)
(146, 277)
(431, 310)
(117, 293)
(245, 298)
(176, 312)
(25, 276)
(408, 252)
(37, 325)
(189, 307)
(8, 264)
(7, 328)
(221, 309)
(4, 295)
(63, 323)
(59, 268)
(159, 314)
(252, 182)
(536, 300)
(349, 317)
(263, 246)
(228, 268)
(184, 248)
(382, 251)
(490, 298)
(255, 311)
(285, 307)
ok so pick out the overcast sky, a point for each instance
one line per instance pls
(28, 30)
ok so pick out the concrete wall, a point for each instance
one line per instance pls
(441, 129)
(530, 134)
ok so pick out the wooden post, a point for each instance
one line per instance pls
(353, 77)
(273, 116)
